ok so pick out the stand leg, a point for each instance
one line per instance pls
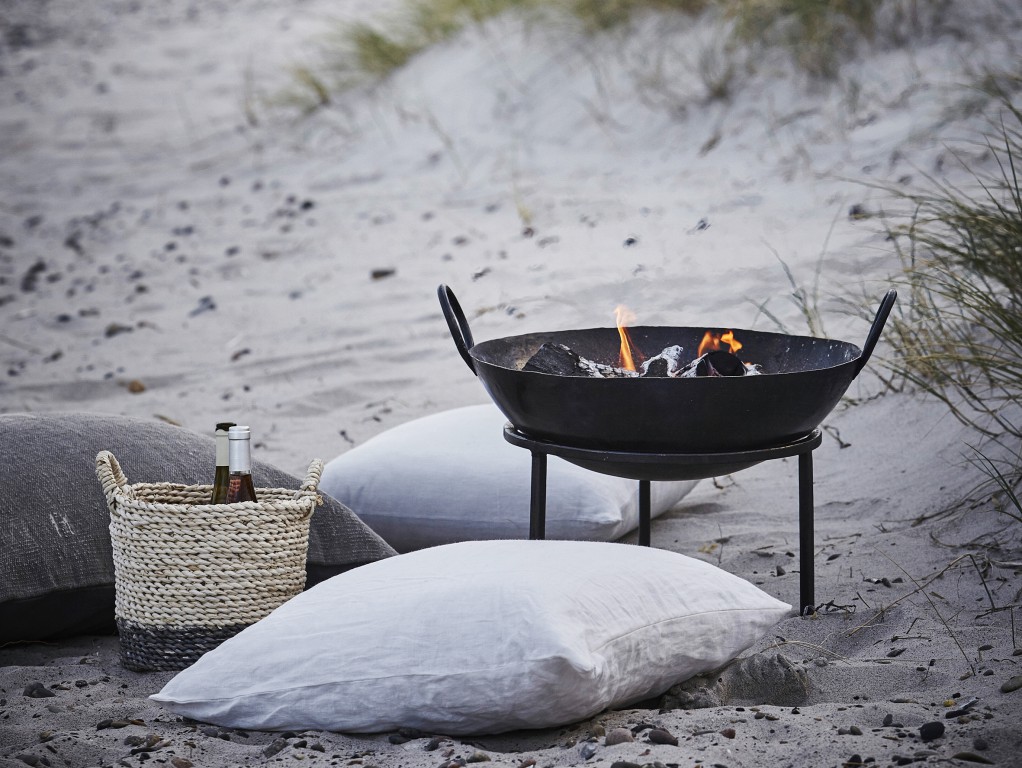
(806, 543)
(645, 526)
(537, 508)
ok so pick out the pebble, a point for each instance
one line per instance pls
(478, 757)
(38, 691)
(853, 762)
(971, 757)
(181, 762)
(728, 733)
(28, 759)
(979, 744)
(1011, 684)
(206, 304)
(588, 749)
(931, 730)
(618, 736)
(274, 747)
(661, 736)
(624, 764)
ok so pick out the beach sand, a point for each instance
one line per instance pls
(176, 243)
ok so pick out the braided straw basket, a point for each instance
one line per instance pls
(190, 574)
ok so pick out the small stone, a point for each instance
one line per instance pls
(434, 744)
(980, 744)
(986, 647)
(660, 736)
(209, 730)
(971, 757)
(317, 747)
(37, 691)
(779, 571)
(478, 757)
(181, 762)
(114, 329)
(618, 736)
(932, 730)
(854, 761)
(624, 764)
(1011, 684)
(274, 747)
(728, 733)
(28, 759)
(588, 749)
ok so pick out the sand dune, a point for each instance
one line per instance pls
(166, 221)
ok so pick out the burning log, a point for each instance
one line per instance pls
(717, 362)
(667, 363)
(560, 360)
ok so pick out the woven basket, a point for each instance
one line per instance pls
(190, 574)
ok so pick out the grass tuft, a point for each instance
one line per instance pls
(959, 334)
(818, 34)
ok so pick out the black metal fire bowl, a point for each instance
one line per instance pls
(803, 380)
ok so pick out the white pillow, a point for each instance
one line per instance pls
(478, 637)
(452, 477)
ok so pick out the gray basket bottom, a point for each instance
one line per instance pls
(168, 649)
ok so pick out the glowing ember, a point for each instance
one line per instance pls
(712, 342)
(628, 356)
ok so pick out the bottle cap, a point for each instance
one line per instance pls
(239, 433)
(223, 426)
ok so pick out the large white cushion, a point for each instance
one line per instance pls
(452, 477)
(478, 637)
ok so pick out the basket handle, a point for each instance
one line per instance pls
(311, 481)
(111, 477)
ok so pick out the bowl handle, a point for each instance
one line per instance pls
(457, 323)
(886, 304)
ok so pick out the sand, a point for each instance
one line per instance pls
(178, 244)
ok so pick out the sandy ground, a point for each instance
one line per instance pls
(176, 243)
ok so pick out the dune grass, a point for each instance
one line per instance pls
(810, 29)
(959, 335)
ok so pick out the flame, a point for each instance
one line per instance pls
(712, 341)
(628, 356)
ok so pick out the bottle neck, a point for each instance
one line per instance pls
(223, 451)
(240, 451)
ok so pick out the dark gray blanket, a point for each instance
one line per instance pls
(56, 567)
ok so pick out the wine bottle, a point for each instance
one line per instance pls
(239, 486)
(223, 470)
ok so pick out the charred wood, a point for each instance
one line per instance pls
(559, 360)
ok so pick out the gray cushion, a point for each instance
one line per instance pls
(56, 567)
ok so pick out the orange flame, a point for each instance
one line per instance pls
(712, 341)
(627, 357)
